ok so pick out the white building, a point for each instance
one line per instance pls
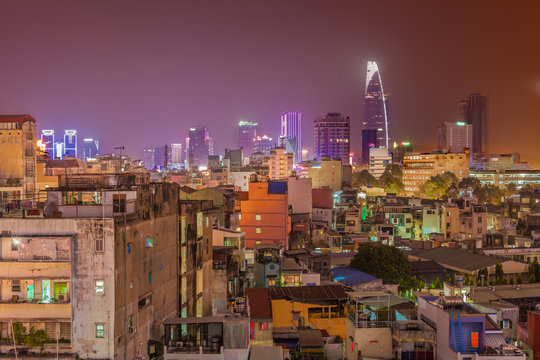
(454, 137)
(379, 159)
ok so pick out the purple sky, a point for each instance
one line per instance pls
(141, 73)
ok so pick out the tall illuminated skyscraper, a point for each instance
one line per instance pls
(247, 132)
(70, 143)
(90, 148)
(332, 137)
(198, 145)
(291, 128)
(47, 138)
(376, 106)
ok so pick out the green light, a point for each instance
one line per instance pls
(460, 123)
(405, 143)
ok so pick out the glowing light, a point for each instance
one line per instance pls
(405, 143)
(460, 123)
(41, 146)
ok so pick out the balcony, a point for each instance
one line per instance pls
(33, 269)
(33, 311)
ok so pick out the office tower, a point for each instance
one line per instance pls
(198, 145)
(149, 159)
(176, 154)
(455, 136)
(291, 128)
(376, 106)
(47, 139)
(477, 116)
(262, 144)
(211, 143)
(186, 152)
(70, 143)
(332, 136)
(59, 150)
(247, 132)
(400, 150)
(162, 157)
(379, 159)
(90, 148)
(369, 140)
(290, 146)
(17, 159)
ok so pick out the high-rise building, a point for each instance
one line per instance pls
(90, 148)
(400, 150)
(369, 140)
(262, 144)
(477, 116)
(211, 143)
(332, 136)
(379, 159)
(281, 164)
(149, 158)
(59, 150)
(376, 106)
(290, 146)
(198, 145)
(17, 159)
(247, 132)
(176, 154)
(455, 136)
(47, 139)
(291, 128)
(70, 143)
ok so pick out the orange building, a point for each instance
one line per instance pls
(264, 214)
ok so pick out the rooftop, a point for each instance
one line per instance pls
(260, 306)
(458, 259)
(309, 293)
(350, 276)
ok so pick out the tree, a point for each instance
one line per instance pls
(437, 283)
(364, 178)
(438, 186)
(391, 179)
(469, 183)
(499, 275)
(32, 338)
(385, 262)
(510, 189)
(519, 280)
(534, 272)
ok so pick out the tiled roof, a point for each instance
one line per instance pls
(309, 293)
(260, 306)
(456, 258)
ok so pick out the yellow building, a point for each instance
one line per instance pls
(322, 307)
(327, 174)
(17, 160)
(280, 164)
(418, 168)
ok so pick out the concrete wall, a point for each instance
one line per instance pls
(370, 342)
(299, 195)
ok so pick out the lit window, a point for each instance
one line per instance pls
(257, 217)
(149, 242)
(100, 287)
(100, 330)
(258, 230)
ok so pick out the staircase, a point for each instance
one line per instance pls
(458, 333)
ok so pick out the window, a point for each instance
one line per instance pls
(271, 281)
(258, 230)
(263, 326)
(99, 245)
(150, 277)
(15, 245)
(119, 203)
(15, 285)
(99, 287)
(479, 219)
(100, 330)
(149, 242)
(257, 217)
(479, 230)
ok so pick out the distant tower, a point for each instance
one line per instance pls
(477, 116)
(247, 132)
(70, 143)
(456, 136)
(198, 145)
(90, 148)
(47, 138)
(332, 136)
(376, 106)
(291, 128)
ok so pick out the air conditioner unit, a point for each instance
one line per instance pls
(63, 297)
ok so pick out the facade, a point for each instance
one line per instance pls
(247, 132)
(400, 150)
(17, 160)
(455, 137)
(477, 116)
(198, 146)
(502, 178)
(176, 154)
(149, 158)
(332, 137)
(291, 128)
(263, 144)
(265, 213)
(379, 159)
(281, 164)
(99, 270)
(376, 106)
(418, 168)
(70, 143)
(327, 174)
(47, 139)
(90, 148)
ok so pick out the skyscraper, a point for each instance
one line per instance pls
(90, 148)
(149, 158)
(176, 154)
(247, 132)
(198, 145)
(70, 143)
(376, 106)
(291, 127)
(332, 136)
(47, 138)
(477, 108)
(455, 136)
(262, 144)
(369, 140)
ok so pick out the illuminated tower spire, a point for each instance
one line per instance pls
(376, 106)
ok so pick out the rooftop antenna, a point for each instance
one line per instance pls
(121, 148)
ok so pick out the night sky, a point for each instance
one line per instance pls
(140, 74)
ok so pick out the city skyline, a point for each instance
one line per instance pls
(249, 84)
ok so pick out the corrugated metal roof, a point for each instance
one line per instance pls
(351, 276)
(494, 340)
(456, 258)
(307, 293)
(260, 306)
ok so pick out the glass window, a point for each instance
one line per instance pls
(258, 217)
(100, 287)
(100, 330)
(258, 230)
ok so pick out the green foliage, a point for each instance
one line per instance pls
(385, 262)
(534, 272)
(391, 179)
(519, 280)
(469, 183)
(488, 194)
(499, 275)
(439, 186)
(32, 338)
(437, 283)
(364, 178)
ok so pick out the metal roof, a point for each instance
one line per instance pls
(458, 259)
(350, 276)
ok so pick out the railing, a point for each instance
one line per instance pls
(360, 323)
(192, 348)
